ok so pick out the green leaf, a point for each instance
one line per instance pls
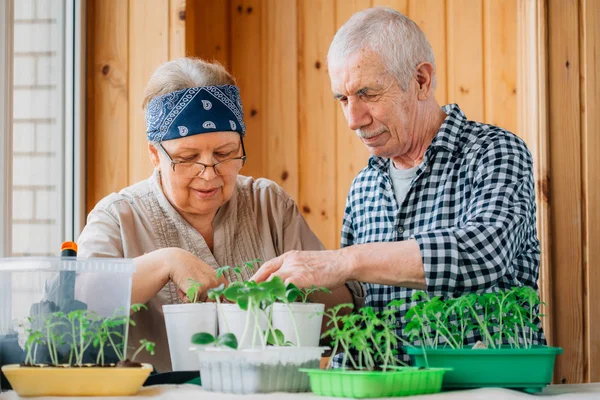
(229, 340)
(148, 345)
(242, 302)
(216, 292)
(280, 336)
(275, 287)
(191, 293)
(221, 271)
(292, 294)
(138, 306)
(233, 292)
(203, 338)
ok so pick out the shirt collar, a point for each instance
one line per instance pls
(447, 137)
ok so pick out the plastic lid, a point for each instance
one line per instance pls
(69, 246)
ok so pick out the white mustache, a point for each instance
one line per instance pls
(368, 135)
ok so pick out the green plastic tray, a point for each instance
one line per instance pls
(522, 369)
(360, 384)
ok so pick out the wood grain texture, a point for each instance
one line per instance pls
(149, 48)
(208, 30)
(176, 29)
(246, 54)
(352, 154)
(430, 15)
(590, 123)
(107, 99)
(280, 92)
(465, 56)
(317, 118)
(500, 62)
(532, 122)
(398, 5)
(566, 188)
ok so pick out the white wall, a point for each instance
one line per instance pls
(38, 105)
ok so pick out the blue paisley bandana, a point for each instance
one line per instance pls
(193, 111)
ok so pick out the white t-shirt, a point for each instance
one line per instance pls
(401, 179)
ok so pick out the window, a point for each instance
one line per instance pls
(45, 151)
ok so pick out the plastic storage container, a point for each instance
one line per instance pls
(33, 290)
(522, 369)
(364, 384)
(274, 369)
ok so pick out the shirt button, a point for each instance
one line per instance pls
(400, 230)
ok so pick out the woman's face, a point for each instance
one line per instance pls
(188, 190)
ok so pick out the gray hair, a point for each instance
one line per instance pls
(396, 38)
(183, 73)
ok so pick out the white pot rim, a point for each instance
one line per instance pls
(230, 305)
(258, 350)
(300, 307)
(188, 308)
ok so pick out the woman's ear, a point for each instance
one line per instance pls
(153, 153)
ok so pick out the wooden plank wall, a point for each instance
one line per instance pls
(565, 188)
(277, 50)
(590, 125)
(127, 40)
(298, 137)
(574, 97)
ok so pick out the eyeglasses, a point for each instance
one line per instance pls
(191, 169)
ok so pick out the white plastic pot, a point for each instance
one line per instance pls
(182, 322)
(274, 369)
(308, 320)
(232, 319)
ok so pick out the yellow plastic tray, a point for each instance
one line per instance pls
(92, 381)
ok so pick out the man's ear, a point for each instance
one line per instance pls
(153, 153)
(424, 77)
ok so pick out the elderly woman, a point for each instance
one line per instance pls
(195, 213)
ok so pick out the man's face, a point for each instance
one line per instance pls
(375, 106)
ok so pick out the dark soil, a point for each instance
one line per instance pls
(128, 364)
(120, 364)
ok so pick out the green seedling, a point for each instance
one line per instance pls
(256, 298)
(238, 270)
(367, 338)
(144, 345)
(502, 318)
(83, 329)
(224, 340)
(293, 293)
(193, 291)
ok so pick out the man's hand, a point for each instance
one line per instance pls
(330, 269)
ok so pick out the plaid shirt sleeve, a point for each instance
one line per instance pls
(347, 238)
(478, 252)
(357, 289)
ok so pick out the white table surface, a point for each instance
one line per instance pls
(193, 392)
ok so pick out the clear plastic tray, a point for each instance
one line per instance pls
(275, 369)
(34, 288)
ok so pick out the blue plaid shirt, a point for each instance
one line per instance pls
(470, 207)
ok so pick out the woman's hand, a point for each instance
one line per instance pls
(155, 269)
(183, 266)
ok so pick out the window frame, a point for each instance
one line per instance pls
(71, 212)
(6, 121)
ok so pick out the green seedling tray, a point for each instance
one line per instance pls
(403, 381)
(522, 369)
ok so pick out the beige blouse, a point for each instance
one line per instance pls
(259, 221)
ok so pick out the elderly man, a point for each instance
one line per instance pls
(445, 204)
